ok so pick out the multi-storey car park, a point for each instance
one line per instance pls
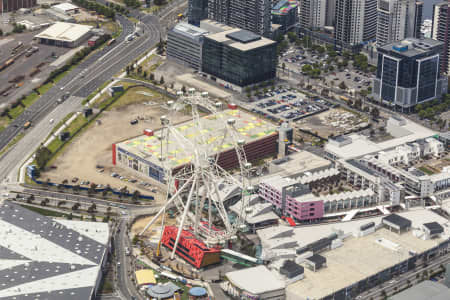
(143, 153)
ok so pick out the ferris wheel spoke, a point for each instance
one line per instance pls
(166, 205)
(186, 209)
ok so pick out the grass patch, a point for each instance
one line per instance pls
(76, 124)
(426, 170)
(16, 111)
(44, 88)
(46, 212)
(88, 98)
(30, 99)
(131, 96)
(134, 20)
(107, 287)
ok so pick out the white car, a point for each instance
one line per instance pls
(51, 121)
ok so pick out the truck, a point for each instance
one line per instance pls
(343, 98)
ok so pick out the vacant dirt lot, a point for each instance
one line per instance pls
(93, 146)
(154, 230)
(333, 121)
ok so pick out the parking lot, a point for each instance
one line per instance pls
(295, 58)
(285, 104)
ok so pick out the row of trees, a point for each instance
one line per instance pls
(132, 3)
(430, 109)
(99, 8)
(144, 74)
(118, 8)
(79, 56)
(18, 28)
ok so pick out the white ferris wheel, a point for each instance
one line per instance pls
(195, 189)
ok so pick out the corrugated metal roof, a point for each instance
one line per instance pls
(67, 32)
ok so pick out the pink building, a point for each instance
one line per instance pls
(291, 198)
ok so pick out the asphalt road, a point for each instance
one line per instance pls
(80, 82)
(80, 198)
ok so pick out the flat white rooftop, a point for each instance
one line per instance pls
(354, 260)
(66, 32)
(361, 145)
(65, 6)
(257, 280)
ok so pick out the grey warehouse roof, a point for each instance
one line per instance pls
(244, 36)
(291, 269)
(434, 227)
(42, 258)
(398, 220)
(317, 259)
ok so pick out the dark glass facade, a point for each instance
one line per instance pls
(428, 70)
(389, 79)
(197, 11)
(408, 72)
(236, 66)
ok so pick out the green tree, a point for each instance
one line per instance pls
(292, 37)
(430, 113)
(342, 85)
(375, 113)
(152, 76)
(161, 81)
(306, 69)
(136, 195)
(418, 107)
(43, 155)
(315, 72)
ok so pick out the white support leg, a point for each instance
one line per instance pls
(180, 228)
(165, 205)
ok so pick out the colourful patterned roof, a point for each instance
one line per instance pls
(249, 127)
(284, 6)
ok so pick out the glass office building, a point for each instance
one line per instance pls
(197, 11)
(408, 73)
(237, 58)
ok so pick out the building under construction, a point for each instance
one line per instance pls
(12, 5)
